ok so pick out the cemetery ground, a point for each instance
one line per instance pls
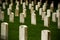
(34, 31)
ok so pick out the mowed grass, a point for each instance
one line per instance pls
(34, 31)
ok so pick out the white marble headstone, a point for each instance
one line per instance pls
(52, 7)
(4, 30)
(21, 1)
(4, 6)
(43, 15)
(40, 11)
(8, 11)
(57, 11)
(17, 11)
(10, 6)
(38, 4)
(46, 21)
(24, 11)
(11, 17)
(49, 12)
(45, 35)
(36, 7)
(59, 20)
(2, 16)
(54, 17)
(17, 3)
(24, 5)
(44, 7)
(22, 18)
(33, 18)
(22, 32)
(30, 5)
(58, 5)
(32, 9)
(26, 2)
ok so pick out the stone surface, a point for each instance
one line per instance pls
(22, 32)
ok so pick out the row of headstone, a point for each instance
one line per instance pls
(45, 15)
(46, 20)
(45, 34)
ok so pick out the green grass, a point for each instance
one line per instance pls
(34, 31)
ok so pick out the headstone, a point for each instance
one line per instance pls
(43, 15)
(54, 17)
(49, 12)
(46, 2)
(39, 4)
(52, 7)
(26, 2)
(44, 8)
(21, 18)
(32, 9)
(4, 7)
(30, 5)
(2, 16)
(40, 11)
(46, 21)
(4, 30)
(24, 6)
(57, 11)
(17, 11)
(59, 20)
(58, 5)
(8, 11)
(36, 7)
(33, 18)
(21, 1)
(17, 3)
(24, 11)
(10, 6)
(45, 35)
(11, 17)
(22, 32)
